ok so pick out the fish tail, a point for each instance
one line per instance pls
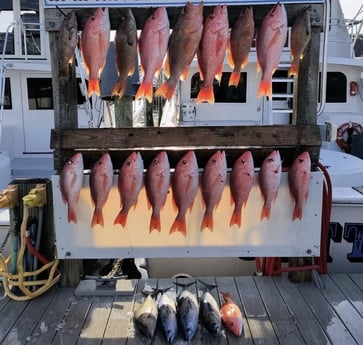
(234, 78)
(297, 214)
(145, 90)
(166, 90)
(207, 222)
(72, 217)
(205, 94)
(266, 212)
(155, 224)
(293, 70)
(265, 88)
(93, 87)
(235, 219)
(121, 219)
(97, 219)
(119, 88)
(179, 225)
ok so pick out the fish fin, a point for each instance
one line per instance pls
(207, 222)
(167, 66)
(266, 212)
(297, 214)
(184, 74)
(131, 71)
(294, 68)
(145, 90)
(97, 219)
(154, 224)
(235, 219)
(234, 78)
(121, 219)
(166, 90)
(93, 87)
(72, 216)
(244, 62)
(119, 88)
(179, 225)
(265, 88)
(205, 94)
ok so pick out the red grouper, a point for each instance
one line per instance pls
(125, 51)
(240, 42)
(182, 46)
(299, 39)
(157, 181)
(269, 178)
(214, 179)
(153, 44)
(95, 41)
(241, 182)
(184, 184)
(70, 184)
(68, 38)
(299, 180)
(100, 182)
(211, 52)
(270, 40)
(130, 181)
(231, 315)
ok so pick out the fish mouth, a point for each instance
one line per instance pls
(278, 5)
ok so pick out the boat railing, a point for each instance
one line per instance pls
(354, 27)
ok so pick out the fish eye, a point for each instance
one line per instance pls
(128, 163)
(70, 161)
(156, 161)
(301, 160)
(270, 159)
(214, 160)
(185, 161)
(243, 161)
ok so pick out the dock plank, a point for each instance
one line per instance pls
(325, 314)
(304, 319)
(259, 323)
(358, 279)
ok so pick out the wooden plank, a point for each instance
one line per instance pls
(51, 320)
(358, 279)
(281, 319)
(301, 313)
(345, 310)
(329, 321)
(350, 290)
(228, 284)
(95, 323)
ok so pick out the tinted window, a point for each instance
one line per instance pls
(336, 87)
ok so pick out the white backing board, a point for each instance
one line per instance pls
(277, 237)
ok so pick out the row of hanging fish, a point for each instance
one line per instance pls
(184, 183)
(209, 38)
(182, 314)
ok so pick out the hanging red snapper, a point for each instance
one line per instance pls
(184, 183)
(213, 181)
(70, 184)
(211, 52)
(125, 51)
(269, 178)
(240, 43)
(299, 179)
(157, 181)
(182, 46)
(153, 44)
(299, 39)
(231, 315)
(95, 41)
(130, 181)
(100, 182)
(270, 40)
(241, 181)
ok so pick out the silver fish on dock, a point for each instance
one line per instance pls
(210, 315)
(188, 314)
(146, 316)
(167, 315)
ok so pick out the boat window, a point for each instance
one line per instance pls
(6, 17)
(222, 92)
(29, 12)
(40, 94)
(336, 87)
(7, 95)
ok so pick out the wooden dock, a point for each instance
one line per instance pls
(275, 311)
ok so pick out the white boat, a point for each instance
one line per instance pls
(27, 117)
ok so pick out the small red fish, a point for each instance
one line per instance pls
(241, 181)
(211, 52)
(153, 44)
(213, 181)
(95, 41)
(157, 181)
(299, 179)
(130, 180)
(70, 184)
(184, 183)
(100, 182)
(269, 179)
(240, 43)
(231, 315)
(270, 40)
